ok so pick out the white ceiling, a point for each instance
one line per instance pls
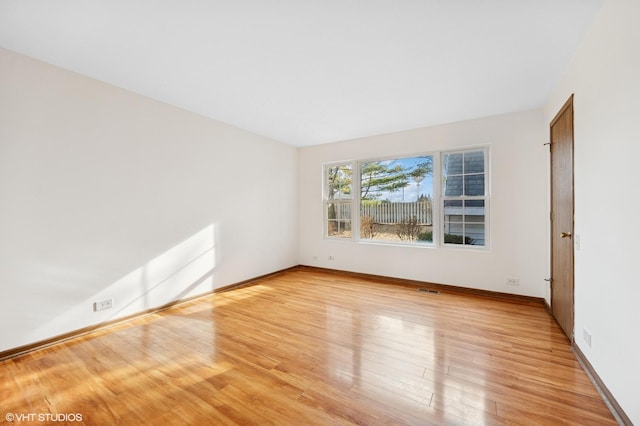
(306, 72)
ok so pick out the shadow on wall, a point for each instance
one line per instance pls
(184, 270)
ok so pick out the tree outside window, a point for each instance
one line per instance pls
(339, 187)
(395, 199)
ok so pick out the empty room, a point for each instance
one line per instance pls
(319, 212)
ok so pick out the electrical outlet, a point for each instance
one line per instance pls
(586, 336)
(513, 281)
(332, 258)
(102, 305)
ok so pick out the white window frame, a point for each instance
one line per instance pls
(463, 198)
(327, 201)
(434, 201)
(437, 204)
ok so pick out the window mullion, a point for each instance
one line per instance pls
(356, 202)
(436, 211)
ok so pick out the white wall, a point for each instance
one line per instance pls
(104, 193)
(519, 213)
(604, 76)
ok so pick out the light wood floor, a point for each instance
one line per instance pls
(311, 347)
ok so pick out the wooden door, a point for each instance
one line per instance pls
(562, 218)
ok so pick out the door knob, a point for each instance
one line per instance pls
(565, 234)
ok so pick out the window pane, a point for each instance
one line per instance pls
(339, 228)
(474, 234)
(339, 220)
(339, 182)
(473, 185)
(474, 162)
(452, 164)
(452, 207)
(468, 180)
(474, 203)
(474, 210)
(455, 218)
(344, 211)
(332, 224)
(453, 186)
(332, 211)
(464, 222)
(454, 235)
(396, 199)
(345, 228)
(473, 218)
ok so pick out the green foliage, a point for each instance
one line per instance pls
(425, 236)
(457, 239)
(422, 169)
(379, 177)
(340, 180)
(372, 202)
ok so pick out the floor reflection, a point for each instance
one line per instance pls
(310, 348)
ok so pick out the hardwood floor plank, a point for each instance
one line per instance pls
(313, 347)
(353, 405)
(477, 411)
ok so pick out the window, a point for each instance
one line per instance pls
(392, 199)
(338, 200)
(464, 197)
(396, 199)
